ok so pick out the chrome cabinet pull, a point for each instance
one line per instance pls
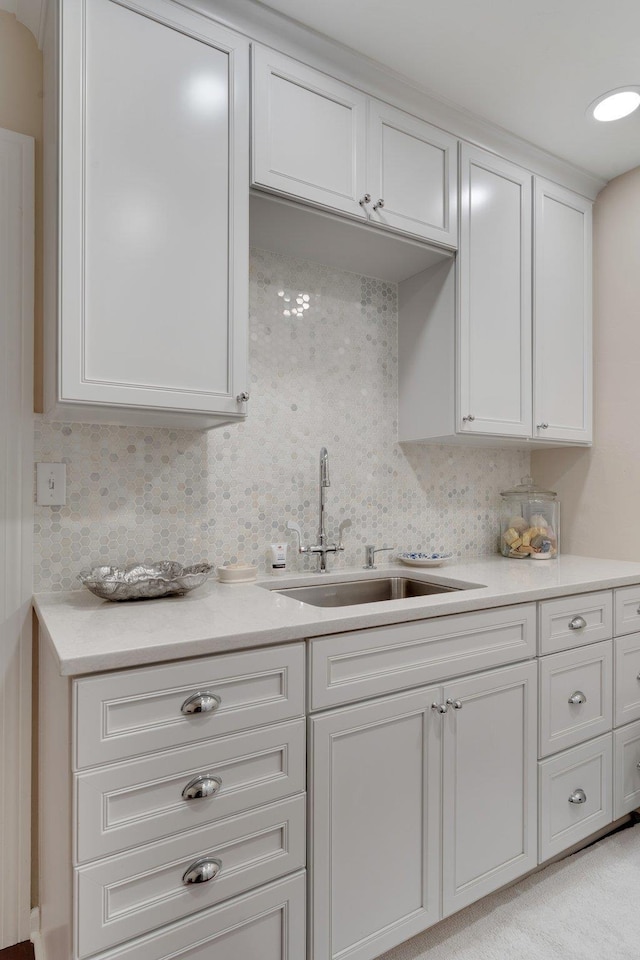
(468, 419)
(243, 397)
(578, 623)
(577, 697)
(456, 704)
(201, 871)
(203, 786)
(379, 205)
(542, 426)
(578, 796)
(200, 703)
(439, 707)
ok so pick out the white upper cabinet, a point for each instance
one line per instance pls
(562, 314)
(152, 225)
(411, 175)
(309, 133)
(494, 296)
(322, 141)
(498, 346)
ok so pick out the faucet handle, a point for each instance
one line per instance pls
(343, 526)
(292, 525)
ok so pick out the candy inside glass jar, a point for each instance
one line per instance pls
(529, 522)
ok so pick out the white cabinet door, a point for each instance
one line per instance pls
(495, 296)
(412, 175)
(153, 219)
(375, 815)
(489, 783)
(309, 133)
(562, 315)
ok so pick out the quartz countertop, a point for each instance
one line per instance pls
(89, 635)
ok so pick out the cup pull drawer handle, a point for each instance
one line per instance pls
(200, 703)
(578, 796)
(201, 871)
(577, 697)
(578, 623)
(203, 786)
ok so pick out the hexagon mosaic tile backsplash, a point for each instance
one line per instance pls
(323, 362)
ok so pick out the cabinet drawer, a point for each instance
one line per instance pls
(120, 715)
(627, 610)
(626, 769)
(141, 800)
(268, 923)
(627, 656)
(576, 696)
(584, 774)
(127, 895)
(574, 621)
(366, 663)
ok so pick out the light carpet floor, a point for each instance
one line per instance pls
(586, 907)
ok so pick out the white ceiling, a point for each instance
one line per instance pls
(531, 67)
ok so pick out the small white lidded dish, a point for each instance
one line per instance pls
(236, 572)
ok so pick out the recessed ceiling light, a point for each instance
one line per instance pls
(615, 104)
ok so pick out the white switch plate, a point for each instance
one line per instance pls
(51, 484)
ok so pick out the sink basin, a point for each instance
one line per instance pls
(353, 592)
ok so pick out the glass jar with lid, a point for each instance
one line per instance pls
(529, 522)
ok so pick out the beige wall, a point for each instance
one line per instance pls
(600, 488)
(21, 111)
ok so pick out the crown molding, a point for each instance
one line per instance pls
(264, 25)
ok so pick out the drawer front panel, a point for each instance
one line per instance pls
(627, 656)
(366, 663)
(268, 923)
(584, 774)
(573, 621)
(120, 715)
(130, 894)
(626, 769)
(627, 610)
(576, 696)
(139, 801)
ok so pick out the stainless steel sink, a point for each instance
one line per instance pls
(364, 591)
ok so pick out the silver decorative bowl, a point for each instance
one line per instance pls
(145, 581)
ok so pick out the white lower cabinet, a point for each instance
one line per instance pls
(575, 795)
(401, 786)
(266, 924)
(626, 769)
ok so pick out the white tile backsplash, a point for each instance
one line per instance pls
(328, 377)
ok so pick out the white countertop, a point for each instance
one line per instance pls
(89, 635)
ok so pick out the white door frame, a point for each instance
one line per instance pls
(16, 529)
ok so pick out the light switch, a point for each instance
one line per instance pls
(51, 484)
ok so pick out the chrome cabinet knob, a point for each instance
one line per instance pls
(365, 200)
(200, 703)
(638, 611)
(577, 697)
(242, 397)
(439, 707)
(542, 426)
(578, 796)
(201, 871)
(468, 419)
(578, 623)
(203, 786)
(456, 704)
(379, 204)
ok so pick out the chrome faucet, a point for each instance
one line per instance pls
(322, 548)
